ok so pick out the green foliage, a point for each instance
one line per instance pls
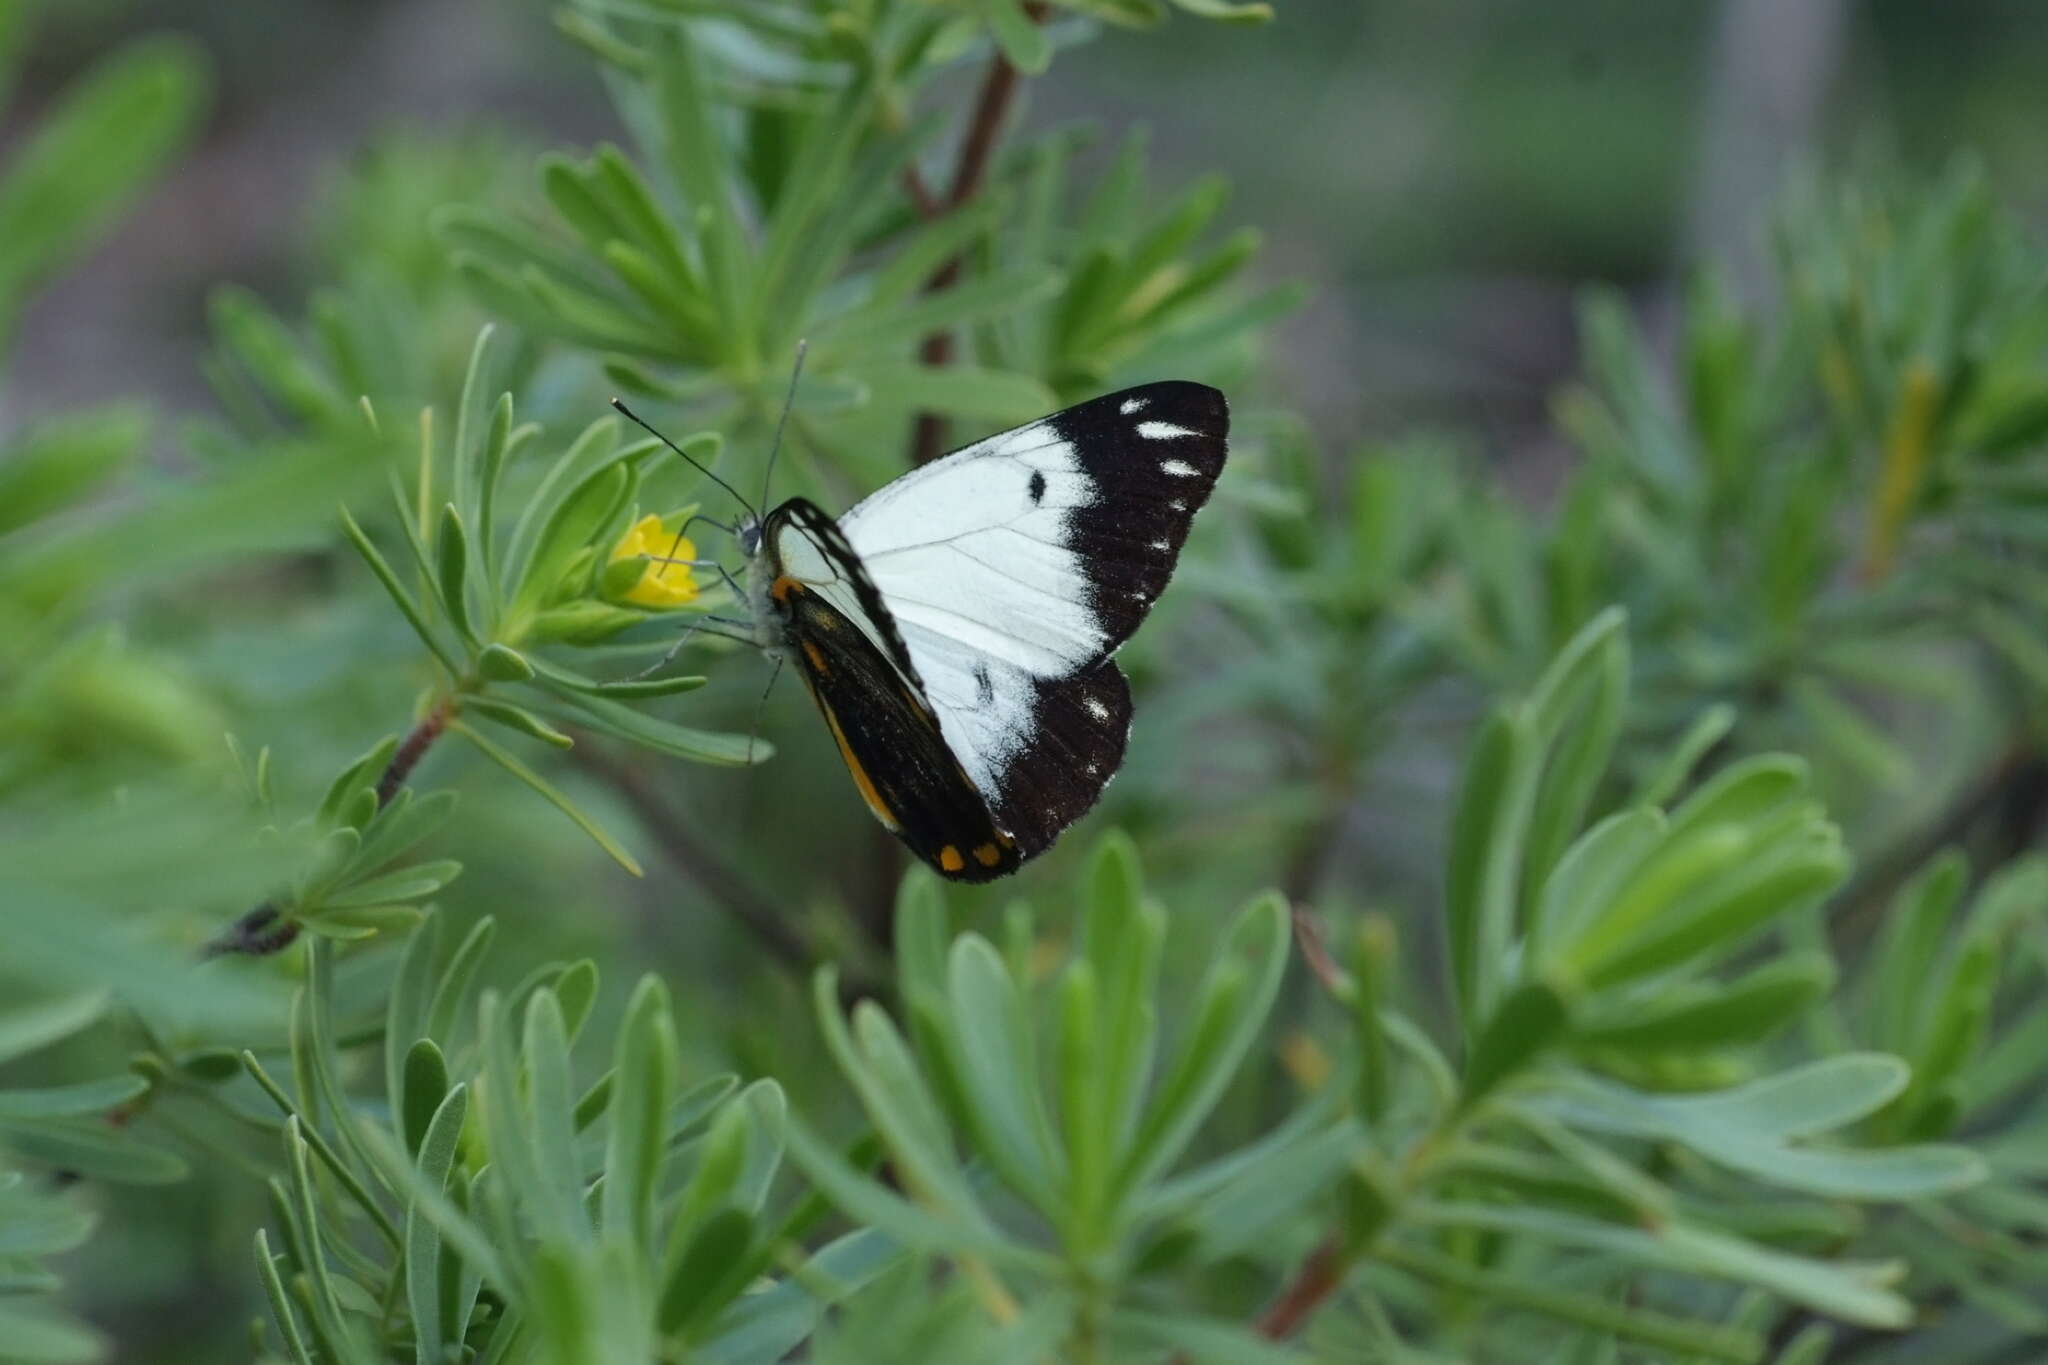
(1612, 1058)
(497, 1207)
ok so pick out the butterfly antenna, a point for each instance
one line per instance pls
(788, 402)
(639, 421)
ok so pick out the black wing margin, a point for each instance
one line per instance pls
(1079, 726)
(1153, 454)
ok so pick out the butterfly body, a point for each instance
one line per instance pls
(956, 628)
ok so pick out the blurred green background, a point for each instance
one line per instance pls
(1444, 179)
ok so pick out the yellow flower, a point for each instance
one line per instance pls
(660, 584)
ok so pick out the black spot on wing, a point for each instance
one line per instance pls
(1037, 487)
(984, 686)
(1152, 455)
(1075, 743)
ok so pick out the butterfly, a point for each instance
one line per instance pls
(957, 628)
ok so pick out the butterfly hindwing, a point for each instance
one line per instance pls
(890, 740)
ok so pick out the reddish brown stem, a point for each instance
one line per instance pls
(264, 930)
(977, 149)
(1318, 1277)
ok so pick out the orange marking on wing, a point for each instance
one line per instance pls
(861, 781)
(783, 586)
(950, 859)
(816, 656)
(988, 855)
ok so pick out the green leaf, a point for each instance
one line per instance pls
(990, 1035)
(1909, 943)
(435, 1152)
(1123, 938)
(1486, 834)
(452, 571)
(898, 1103)
(407, 820)
(71, 1101)
(46, 1227)
(1023, 42)
(403, 599)
(90, 155)
(575, 522)
(911, 1225)
(706, 1274)
(557, 1199)
(93, 1149)
(281, 1314)
(1702, 1016)
(29, 1027)
(451, 993)
(64, 461)
(1528, 1020)
(1685, 1337)
(518, 719)
(678, 741)
(1852, 1292)
(1229, 11)
(423, 1088)
(553, 796)
(502, 663)
(645, 1063)
(1232, 1004)
(1582, 734)
(407, 884)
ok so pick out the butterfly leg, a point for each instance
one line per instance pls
(703, 623)
(762, 705)
(738, 592)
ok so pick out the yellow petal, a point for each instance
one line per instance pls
(662, 583)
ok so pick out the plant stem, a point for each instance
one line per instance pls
(1314, 1280)
(264, 930)
(689, 856)
(970, 170)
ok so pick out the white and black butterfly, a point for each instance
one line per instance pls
(957, 627)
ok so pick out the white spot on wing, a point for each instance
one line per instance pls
(1096, 708)
(1162, 431)
(1180, 469)
(1131, 405)
(1177, 505)
(1162, 545)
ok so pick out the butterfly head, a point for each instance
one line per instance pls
(748, 533)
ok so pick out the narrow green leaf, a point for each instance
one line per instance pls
(423, 1249)
(1528, 1020)
(1485, 855)
(403, 599)
(1700, 1016)
(645, 1063)
(25, 1028)
(452, 571)
(406, 884)
(79, 1100)
(990, 1035)
(1687, 1337)
(1233, 1003)
(517, 719)
(425, 1086)
(553, 796)
(405, 1011)
(281, 1314)
(451, 993)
